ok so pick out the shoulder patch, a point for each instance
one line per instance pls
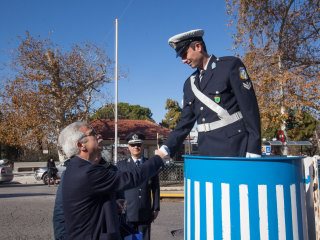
(247, 85)
(227, 58)
(243, 73)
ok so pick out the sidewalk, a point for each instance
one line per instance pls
(165, 191)
(172, 192)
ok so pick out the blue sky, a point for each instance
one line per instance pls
(154, 73)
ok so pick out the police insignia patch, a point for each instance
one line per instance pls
(243, 73)
(217, 99)
(247, 85)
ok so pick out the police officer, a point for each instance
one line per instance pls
(142, 202)
(219, 97)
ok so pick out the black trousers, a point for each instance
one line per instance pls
(144, 228)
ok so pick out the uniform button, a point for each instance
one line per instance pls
(201, 108)
(203, 119)
(140, 189)
(190, 103)
(139, 196)
(239, 130)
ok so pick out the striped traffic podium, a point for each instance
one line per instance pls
(244, 198)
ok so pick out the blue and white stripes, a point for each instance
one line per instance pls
(220, 210)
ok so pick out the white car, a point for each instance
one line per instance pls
(41, 174)
(6, 170)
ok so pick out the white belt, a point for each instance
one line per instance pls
(206, 127)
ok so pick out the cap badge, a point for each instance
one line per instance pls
(243, 73)
(135, 137)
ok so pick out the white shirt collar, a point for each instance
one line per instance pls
(206, 66)
(136, 159)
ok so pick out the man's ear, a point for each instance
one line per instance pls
(198, 46)
(81, 146)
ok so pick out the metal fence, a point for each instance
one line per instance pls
(171, 174)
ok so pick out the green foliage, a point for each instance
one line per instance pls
(173, 115)
(125, 111)
(281, 45)
(299, 126)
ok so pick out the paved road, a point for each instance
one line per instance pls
(26, 213)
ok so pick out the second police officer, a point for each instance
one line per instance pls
(142, 202)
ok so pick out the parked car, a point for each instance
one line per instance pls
(6, 170)
(41, 174)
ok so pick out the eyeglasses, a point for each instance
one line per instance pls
(135, 145)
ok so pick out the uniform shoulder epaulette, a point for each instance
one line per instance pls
(186, 81)
(227, 58)
(194, 73)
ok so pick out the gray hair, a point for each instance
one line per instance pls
(69, 138)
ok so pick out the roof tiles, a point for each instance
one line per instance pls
(125, 126)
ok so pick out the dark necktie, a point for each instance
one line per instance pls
(201, 74)
(138, 163)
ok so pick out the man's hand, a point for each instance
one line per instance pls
(155, 215)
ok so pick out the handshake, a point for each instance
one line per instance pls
(163, 152)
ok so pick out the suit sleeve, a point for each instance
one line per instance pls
(155, 188)
(246, 98)
(58, 219)
(186, 122)
(120, 194)
(103, 180)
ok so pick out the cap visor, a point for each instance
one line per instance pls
(181, 51)
(135, 141)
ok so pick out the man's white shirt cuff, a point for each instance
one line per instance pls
(165, 150)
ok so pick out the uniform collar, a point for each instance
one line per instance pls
(206, 66)
(136, 159)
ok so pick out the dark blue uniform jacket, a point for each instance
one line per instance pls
(89, 201)
(142, 200)
(226, 82)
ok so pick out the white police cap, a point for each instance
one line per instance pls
(181, 41)
(135, 137)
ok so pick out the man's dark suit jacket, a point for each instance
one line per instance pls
(144, 199)
(89, 197)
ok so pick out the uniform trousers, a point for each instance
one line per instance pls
(144, 228)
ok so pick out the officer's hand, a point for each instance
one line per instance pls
(155, 215)
(160, 153)
(252, 155)
(121, 205)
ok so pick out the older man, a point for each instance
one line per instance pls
(89, 189)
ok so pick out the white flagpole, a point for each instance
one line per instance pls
(116, 97)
